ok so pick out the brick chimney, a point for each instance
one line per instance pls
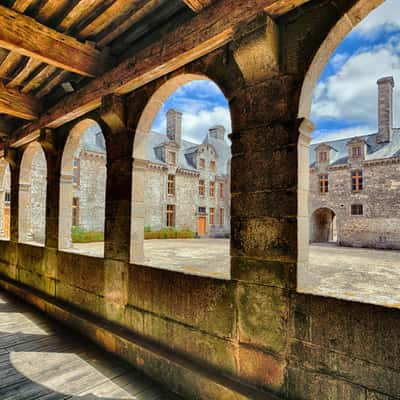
(174, 125)
(217, 132)
(385, 109)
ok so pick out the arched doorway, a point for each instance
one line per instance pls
(323, 226)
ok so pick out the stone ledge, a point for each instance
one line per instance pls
(176, 373)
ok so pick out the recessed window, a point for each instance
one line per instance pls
(213, 166)
(356, 152)
(171, 157)
(171, 185)
(212, 216)
(76, 171)
(202, 163)
(170, 215)
(7, 197)
(221, 190)
(221, 216)
(212, 189)
(202, 187)
(75, 211)
(356, 181)
(323, 184)
(323, 156)
(202, 210)
(357, 209)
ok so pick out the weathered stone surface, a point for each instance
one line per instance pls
(263, 313)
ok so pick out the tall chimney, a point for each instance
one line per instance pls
(174, 125)
(385, 109)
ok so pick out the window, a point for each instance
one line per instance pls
(212, 216)
(356, 181)
(212, 166)
(7, 197)
(202, 210)
(202, 187)
(323, 184)
(76, 171)
(75, 211)
(357, 209)
(171, 185)
(212, 189)
(170, 215)
(221, 190)
(356, 152)
(221, 216)
(323, 156)
(202, 163)
(171, 157)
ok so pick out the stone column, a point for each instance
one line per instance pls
(25, 213)
(65, 214)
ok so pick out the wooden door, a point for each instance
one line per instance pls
(201, 226)
(6, 222)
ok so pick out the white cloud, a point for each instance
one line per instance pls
(384, 17)
(351, 94)
(195, 125)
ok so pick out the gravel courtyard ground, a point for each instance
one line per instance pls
(364, 275)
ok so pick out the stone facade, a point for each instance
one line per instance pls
(367, 213)
(205, 211)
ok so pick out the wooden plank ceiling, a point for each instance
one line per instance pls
(49, 48)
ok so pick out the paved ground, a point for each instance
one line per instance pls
(42, 360)
(365, 275)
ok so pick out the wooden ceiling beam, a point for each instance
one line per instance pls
(28, 37)
(202, 34)
(17, 104)
(197, 5)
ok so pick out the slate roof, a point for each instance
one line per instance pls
(188, 150)
(93, 140)
(375, 151)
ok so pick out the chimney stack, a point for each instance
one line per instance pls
(174, 126)
(217, 132)
(385, 109)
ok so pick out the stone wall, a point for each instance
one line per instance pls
(91, 191)
(38, 197)
(380, 197)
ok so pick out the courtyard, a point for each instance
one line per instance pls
(365, 275)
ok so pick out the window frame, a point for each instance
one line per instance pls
(357, 181)
(202, 163)
(171, 157)
(357, 210)
(212, 216)
(213, 166)
(171, 215)
(323, 183)
(221, 216)
(76, 171)
(221, 193)
(323, 156)
(202, 187)
(171, 185)
(212, 189)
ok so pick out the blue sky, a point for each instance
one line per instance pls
(345, 98)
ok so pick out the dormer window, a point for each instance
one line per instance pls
(202, 163)
(212, 166)
(171, 157)
(356, 152)
(323, 156)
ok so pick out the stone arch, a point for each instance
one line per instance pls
(144, 125)
(323, 226)
(32, 195)
(71, 150)
(335, 36)
(5, 190)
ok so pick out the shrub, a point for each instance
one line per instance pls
(169, 233)
(79, 235)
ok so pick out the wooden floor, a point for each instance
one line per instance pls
(39, 359)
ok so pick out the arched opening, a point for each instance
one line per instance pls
(323, 226)
(5, 199)
(82, 190)
(349, 164)
(181, 179)
(32, 196)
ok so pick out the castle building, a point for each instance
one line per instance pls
(355, 184)
(188, 184)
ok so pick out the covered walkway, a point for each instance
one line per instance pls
(39, 359)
